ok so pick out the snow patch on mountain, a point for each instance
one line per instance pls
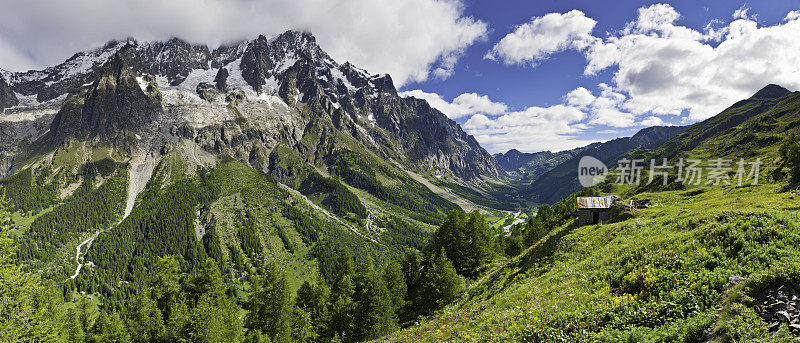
(83, 63)
(286, 63)
(236, 80)
(142, 83)
(338, 75)
(79, 64)
(198, 76)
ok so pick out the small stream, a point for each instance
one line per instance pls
(79, 257)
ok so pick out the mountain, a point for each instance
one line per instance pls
(290, 67)
(259, 151)
(531, 165)
(754, 127)
(771, 91)
(7, 96)
(559, 182)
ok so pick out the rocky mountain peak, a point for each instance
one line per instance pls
(771, 91)
(175, 58)
(121, 103)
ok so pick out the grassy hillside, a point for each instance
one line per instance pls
(668, 274)
(660, 276)
(748, 129)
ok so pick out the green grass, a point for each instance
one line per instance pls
(660, 276)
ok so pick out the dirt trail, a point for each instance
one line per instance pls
(312, 204)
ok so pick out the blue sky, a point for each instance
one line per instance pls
(530, 75)
(547, 83)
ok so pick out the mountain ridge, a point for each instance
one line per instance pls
(562, 180)
(294, 68)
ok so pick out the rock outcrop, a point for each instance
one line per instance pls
(780, 305)
(120, 104)
(7, 97)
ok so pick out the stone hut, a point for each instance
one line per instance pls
(594, 210)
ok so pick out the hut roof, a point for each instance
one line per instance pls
(595, 202)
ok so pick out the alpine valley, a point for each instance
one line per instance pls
(262, 191)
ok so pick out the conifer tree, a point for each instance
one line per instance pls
(790, 157)
(302, 325)
(396, 285)
(108, 329)
(270, 306)
(440, 283)
(72, 327)
(256, 336)
(341, 300)
(374, 314)
(29, 305)
(314, 300)
(412, 273)
(144, 321)
(167, 288)
(466, 239)
(539, 225)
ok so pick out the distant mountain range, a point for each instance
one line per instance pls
(562, 180)
(747, 126)
(528, 166)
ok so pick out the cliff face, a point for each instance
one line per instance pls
(7, 97)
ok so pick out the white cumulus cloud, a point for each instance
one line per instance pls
(498, 128)
(661, 67)
(665, 68)
(741, 13)
(652, 121)
(552, 128)
(532, 129)
(543, 36)
(466, 104)
(580, 97)
(409, 39)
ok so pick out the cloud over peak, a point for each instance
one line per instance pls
(466, 104)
